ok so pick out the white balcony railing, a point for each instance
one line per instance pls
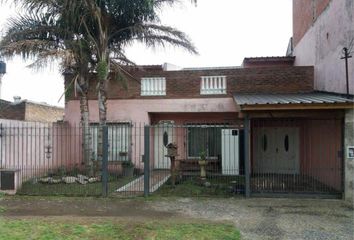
(153, 86)
(213, 85)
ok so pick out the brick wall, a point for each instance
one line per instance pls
(10, 111)
(259, 62)
(305, 13)
(43, 113)
(27, 111)
(186, 83)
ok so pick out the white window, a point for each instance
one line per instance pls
(213, 85)
(118, 141)
(155, 86)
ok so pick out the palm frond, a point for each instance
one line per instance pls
(25, 48)
(153, 35)
(66, 58)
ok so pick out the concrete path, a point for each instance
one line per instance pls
(157, 179)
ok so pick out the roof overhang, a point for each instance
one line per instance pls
(299, 101)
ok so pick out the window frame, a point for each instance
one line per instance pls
(158, 89)
(207, 81)
(113, 155)
(203, 126)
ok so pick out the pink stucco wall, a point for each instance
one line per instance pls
(322, 47)
(150, 111)
(138, 111)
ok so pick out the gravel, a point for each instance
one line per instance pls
(259, 218)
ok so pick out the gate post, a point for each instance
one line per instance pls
(247, 155)
(105, 162)
(146, 161)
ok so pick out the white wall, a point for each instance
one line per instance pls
(315, 48)
(29, 148)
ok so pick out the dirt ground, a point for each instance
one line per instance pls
(256, 218)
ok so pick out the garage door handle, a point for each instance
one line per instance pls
(276, 150)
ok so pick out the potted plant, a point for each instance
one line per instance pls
(128, 168)
(202, 163)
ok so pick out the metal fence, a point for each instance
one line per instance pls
(194, 159)
(58, 159)
(297, 156)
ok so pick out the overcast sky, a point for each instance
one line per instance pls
(223, 31)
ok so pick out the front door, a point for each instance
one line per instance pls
(160, 151)
(276, 150)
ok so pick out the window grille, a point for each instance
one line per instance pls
(213, 85)
(118, 141)
(153, 86)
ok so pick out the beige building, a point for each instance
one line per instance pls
(26, 110)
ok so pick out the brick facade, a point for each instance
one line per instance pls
(11, 111)
(186, 83)
(43, 113)
(305, 13)
(30, 111)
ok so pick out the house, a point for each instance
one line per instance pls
(322, 30)
(28, 133)
(25, 110)
(292, 114)
(292, 135)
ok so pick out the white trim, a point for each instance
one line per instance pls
(153, 86)
(350, 152)
(211, 85)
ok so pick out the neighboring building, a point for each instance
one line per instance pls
(321, 30)
(280, 61)
(25, 110)
(295, 135)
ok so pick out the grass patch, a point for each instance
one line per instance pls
(2, 209)
(74, 189)
(32, 229)
(192, 186)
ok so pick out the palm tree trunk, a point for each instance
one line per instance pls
(102, 69)
(86, 134)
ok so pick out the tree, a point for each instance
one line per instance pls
(111, 25)
(41, 34)
(105, 27)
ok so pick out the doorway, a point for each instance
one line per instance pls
(276, 150)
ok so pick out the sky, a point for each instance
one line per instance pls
(223, 34)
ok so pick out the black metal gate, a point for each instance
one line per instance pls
(296, 156)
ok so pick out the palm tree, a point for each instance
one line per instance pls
(106, 27)
(45, 37)
(111, 25)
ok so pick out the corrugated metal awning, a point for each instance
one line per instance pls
(301, 100)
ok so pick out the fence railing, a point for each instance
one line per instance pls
(58, 159)
(285, 156)
(297, 156)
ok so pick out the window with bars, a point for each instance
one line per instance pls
(118, 141)
(213, 85)
(155, 86)
(204, 138)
